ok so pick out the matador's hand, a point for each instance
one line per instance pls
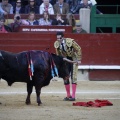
(78, 62)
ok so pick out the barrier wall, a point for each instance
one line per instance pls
(17, 42)
(97, 49)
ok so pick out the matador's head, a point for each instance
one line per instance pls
(60, 36)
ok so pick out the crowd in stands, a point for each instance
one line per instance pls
(39, 6)
(45, 8)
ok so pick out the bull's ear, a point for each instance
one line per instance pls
(70, 61)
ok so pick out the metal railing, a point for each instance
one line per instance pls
(107, 6)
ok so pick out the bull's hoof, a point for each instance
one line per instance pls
(39, 103)
(0, 103)
(28, 103)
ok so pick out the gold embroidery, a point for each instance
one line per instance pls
(72, 49)
(69, 42)
(56, 44)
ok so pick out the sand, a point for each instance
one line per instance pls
(13, 107)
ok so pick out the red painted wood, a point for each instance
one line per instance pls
(17, 42)
(97, 49)
(104, 75)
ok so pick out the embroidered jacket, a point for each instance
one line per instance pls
(71, 49)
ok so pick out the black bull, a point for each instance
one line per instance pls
(14, 68)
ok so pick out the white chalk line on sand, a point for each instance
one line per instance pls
(82, 92)
(92, 93)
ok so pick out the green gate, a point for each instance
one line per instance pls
(98, 21)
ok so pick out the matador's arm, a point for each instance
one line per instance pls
(77, 50)
(56, 45)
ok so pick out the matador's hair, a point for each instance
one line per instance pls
(60, 33)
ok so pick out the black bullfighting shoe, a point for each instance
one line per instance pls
(67, 99)
(71, 99)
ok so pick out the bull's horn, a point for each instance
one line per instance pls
(70, 61)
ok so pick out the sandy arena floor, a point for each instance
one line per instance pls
(13, 107)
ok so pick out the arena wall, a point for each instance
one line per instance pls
(100, 52)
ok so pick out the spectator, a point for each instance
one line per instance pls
(92, 1)
(83, 4)
(12, 2)
(3, 27)
(6, 7)
(25, 2)
(17, 23)
(79, 29)
(69, 2)
(2, 12)
(59, 20)
(71, 20)
(53, 2)
(73, 4)
(18, 8)
(45, 20)
(38, 2)
(31, 19)
(61, 7)
(31, 7)
(46, 6)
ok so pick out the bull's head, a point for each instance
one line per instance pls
(67, 65)
(63, 65)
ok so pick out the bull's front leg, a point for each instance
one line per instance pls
(29, 91)
(38, 91)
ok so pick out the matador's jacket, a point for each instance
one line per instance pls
(71, 49)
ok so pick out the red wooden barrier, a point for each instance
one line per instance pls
(100, 49)
(107, 75)
(97, 49)
(17, 42)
